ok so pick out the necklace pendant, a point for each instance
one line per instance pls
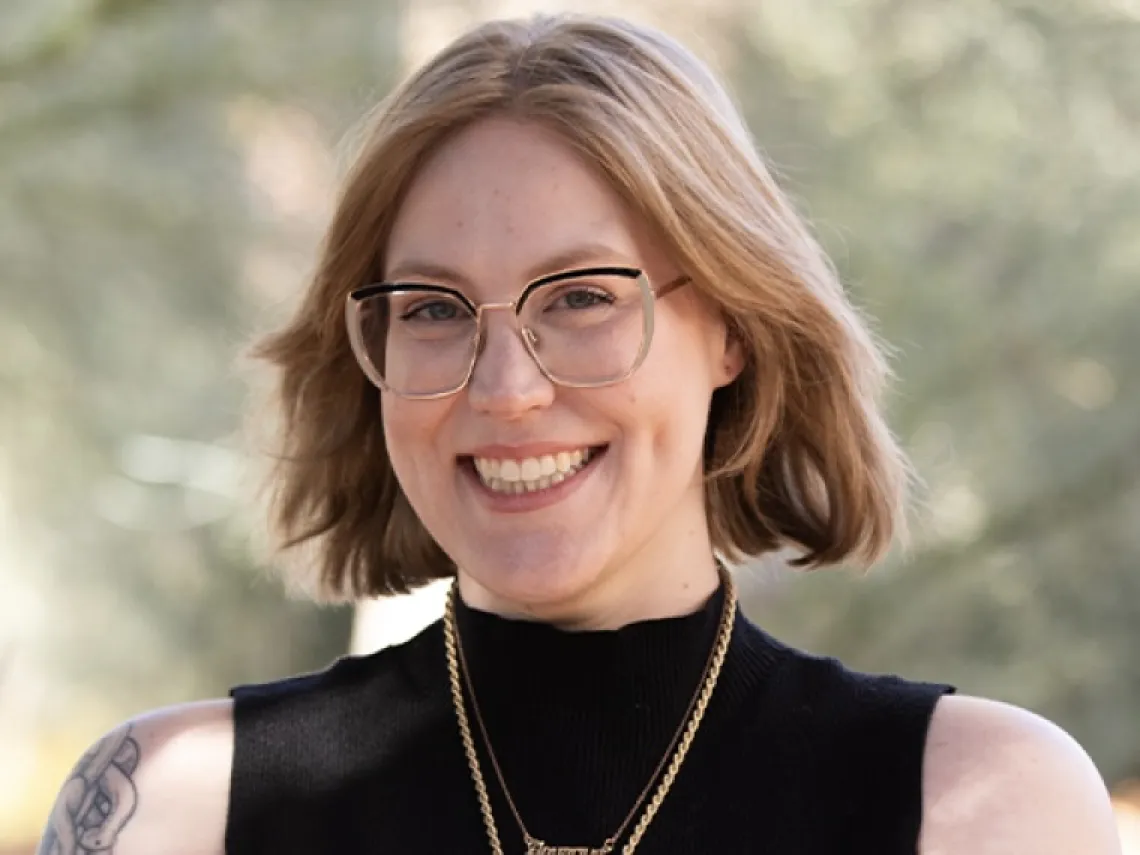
(539, 848)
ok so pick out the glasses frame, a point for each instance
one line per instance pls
(356, 298)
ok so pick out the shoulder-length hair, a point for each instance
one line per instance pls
(797, 454)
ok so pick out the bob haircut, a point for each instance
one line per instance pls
(797, 453)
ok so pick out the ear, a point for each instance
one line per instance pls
(730, 360)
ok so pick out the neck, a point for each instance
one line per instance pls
(651, 584)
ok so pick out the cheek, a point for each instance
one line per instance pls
(411, 429)
(667, 404)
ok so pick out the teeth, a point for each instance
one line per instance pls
(531, 473)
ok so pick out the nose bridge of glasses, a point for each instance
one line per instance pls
(511, 308)
(504, 352)
(509, 305)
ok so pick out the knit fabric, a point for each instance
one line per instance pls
(797, 754)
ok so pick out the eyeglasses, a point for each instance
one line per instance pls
(583, 328)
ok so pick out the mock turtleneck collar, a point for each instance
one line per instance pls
(580, 719)
(655, 663)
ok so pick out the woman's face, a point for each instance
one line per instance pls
(623, 536)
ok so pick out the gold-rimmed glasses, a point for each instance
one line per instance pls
(583, 328)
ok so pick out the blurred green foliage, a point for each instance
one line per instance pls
(151, 216)
(975, 169)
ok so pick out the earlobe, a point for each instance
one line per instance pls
(732, 360)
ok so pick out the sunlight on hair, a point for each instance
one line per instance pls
(757, 260)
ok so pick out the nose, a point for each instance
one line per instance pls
(506, 381)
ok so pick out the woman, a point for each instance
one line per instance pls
(568, 342)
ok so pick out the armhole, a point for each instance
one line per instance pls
(904, 795)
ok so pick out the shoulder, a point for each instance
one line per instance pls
(999, 779)
(848, 704)
(156, 783)
(853, 720)
(351, 687)
(334, 722)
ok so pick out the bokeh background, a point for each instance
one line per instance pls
(166, 167)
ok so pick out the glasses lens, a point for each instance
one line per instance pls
(415, 342)
(588, 330)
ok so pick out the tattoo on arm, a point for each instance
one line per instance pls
(96, 801)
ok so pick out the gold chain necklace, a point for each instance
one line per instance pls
(678, 747)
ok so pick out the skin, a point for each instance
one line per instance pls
(98, 799)
(159, 783)
(997, 781)
(497, 206)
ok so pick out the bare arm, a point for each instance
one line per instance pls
(1002, 780)
(158, 783)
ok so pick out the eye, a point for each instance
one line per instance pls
(433, 311)
(579, 297)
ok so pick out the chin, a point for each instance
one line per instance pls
(531, 577)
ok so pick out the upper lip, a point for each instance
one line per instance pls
(530, 449)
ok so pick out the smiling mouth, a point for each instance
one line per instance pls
(531, 474)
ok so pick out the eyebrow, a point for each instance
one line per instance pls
(580, 255)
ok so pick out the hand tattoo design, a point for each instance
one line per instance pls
(96, 801)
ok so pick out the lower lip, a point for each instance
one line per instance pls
(517, 503)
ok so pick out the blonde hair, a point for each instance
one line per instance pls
(797, 453)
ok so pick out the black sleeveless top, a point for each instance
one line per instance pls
(797, 755)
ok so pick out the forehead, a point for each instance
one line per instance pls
(505, 200)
